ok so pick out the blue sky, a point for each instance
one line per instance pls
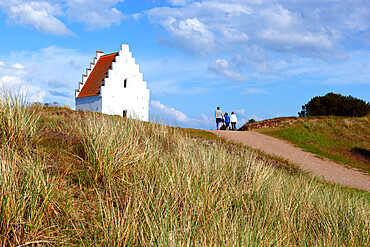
(260, 59)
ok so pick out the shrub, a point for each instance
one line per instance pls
(335, 105)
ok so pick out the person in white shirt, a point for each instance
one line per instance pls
(233, 120)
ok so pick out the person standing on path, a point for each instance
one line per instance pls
(227, 120)
(233, 120)
(218, 117)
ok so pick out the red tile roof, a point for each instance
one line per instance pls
(97, 76)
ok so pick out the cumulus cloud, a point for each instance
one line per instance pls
(94, 13)
(170, 113)
(48, 16)
(44, 74)
(201, 28)
(10, 81)
(190, 35)
(33, 93)
(12, 77)
(41, 15)
(222, 67)
(18, 66)
(175, 117)
(305, 28)
(11, 69)
(180, 2)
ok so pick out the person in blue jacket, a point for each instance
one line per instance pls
(227, 120)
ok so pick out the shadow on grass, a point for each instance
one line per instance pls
(364, 153)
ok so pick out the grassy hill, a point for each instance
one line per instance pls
(73, 178)
(345, 140)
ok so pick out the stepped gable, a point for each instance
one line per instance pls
(97, 76)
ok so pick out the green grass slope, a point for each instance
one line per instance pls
(70, 178)
(345, 140)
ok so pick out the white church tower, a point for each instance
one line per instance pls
(114, 85)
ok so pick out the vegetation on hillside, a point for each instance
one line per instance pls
(335, 105)
(345, 140)
(268, 123)
(72, 178)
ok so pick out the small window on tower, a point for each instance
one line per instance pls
(125, 83)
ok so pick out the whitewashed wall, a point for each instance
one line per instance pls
(114, 97)
(134, 98)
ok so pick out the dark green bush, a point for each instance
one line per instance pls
(335, 105)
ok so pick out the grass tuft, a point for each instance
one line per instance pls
(17, 122)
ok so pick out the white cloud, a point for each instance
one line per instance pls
(39, 14)
(14, 78)
(222, 67)
(175, 117)
(180, 2)
(94, 13)
(33, 93)
(240, 111)
(305, 28)
(190, 35)
(206, 119)
(234, 36)
(46, 74)
(18, 66)
(170, 113)
(254, 91)
(10, 81)
(243, 117)
(48, 15)
(201, 28)
(310, 43)
(16, 69)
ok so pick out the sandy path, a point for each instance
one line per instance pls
(329, 170)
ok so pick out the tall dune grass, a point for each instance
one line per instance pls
(109, 146)
(17, 122)
(129, 183)
(29, 210)
(187, 193)
(29, 203)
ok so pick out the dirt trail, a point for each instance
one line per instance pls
(321, 167)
